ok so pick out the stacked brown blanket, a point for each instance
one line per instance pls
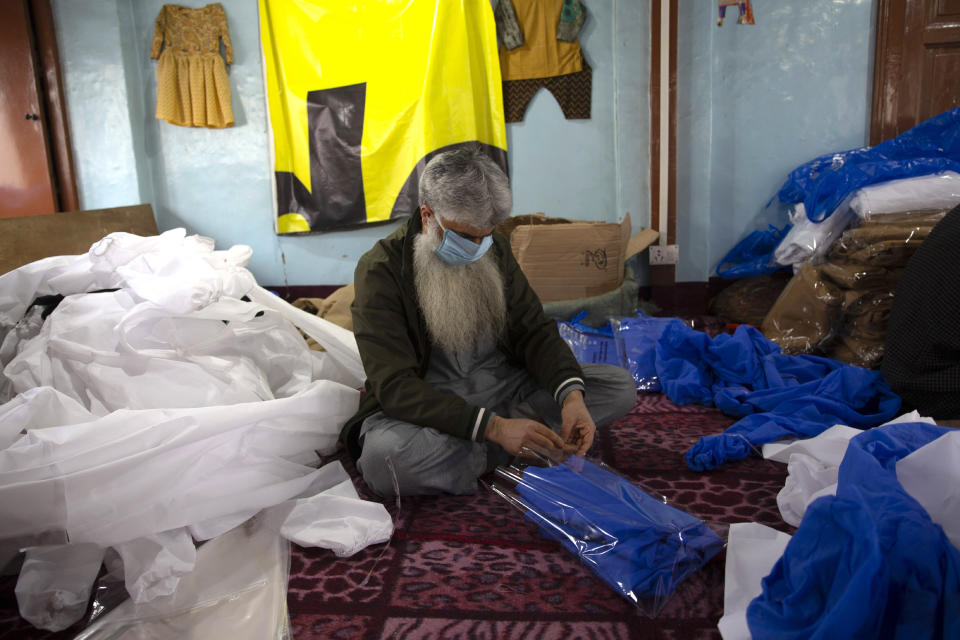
(841, 308)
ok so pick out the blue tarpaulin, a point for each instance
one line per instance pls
(868, 562)
(775, 395)
(635, 543)
(823, 183)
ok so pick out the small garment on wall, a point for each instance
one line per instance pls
(548, 56)
(361, 98)
(743, 7)
(192, 85)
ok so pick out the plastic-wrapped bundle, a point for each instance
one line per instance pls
(807, 314)
(939, 191)
(638, 545)
(809, 241)
(864, 332)
(859, 277)
(884, 244)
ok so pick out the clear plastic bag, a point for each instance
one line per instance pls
(636, 341)
(589, 345)
(636, 543)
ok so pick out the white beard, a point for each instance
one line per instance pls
(461, 304)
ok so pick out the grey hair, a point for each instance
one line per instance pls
(466, 186)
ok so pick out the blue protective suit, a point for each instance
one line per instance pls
(775, 395)
(868, 562)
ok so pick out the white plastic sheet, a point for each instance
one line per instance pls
(169, 409)
(931, 474)
(154, 564)
(812, 465)
(54, 584)
(829, 447)
(133, 473)
(809, 241)
(331, 516)
(807, 480)
(752, 550)
(238, 590)
(940, 191)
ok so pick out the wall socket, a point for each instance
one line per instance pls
(664, 254)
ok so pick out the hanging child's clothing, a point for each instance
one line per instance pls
(547, 55)
(192, 85)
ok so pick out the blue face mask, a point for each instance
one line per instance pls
(456, 250)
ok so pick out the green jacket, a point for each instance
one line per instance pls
(392, 336)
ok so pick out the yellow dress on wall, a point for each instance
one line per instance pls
(192, 85)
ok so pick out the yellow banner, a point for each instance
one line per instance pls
(362, 93)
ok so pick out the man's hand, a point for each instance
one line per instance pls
(577, 428)
(513, 433)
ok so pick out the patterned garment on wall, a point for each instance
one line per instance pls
(192, 85)
(571, 91)
(548, 56)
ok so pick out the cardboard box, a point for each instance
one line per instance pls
(566, 259)
(25, 239)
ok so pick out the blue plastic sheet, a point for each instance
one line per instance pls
(868, 562)
(775, 395)
(753, 256)
(636, 339)
(638, 545)
(823, 183)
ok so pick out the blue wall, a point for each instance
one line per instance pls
(218, 182)
(753, 103)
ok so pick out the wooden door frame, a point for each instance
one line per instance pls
(663, 221)
(53, 103)
(889, 38)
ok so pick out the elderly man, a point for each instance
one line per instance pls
(463, 369)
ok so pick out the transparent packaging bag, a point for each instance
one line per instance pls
(588, 345)
(640, 546)
(636, 341)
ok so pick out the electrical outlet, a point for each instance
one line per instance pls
(665, 254)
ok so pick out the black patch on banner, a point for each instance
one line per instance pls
(335, 126)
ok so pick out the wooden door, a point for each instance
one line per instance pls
(26, 178)
(917, 64)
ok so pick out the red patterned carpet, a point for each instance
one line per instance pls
(472, 567)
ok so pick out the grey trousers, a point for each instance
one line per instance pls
(414, 460)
